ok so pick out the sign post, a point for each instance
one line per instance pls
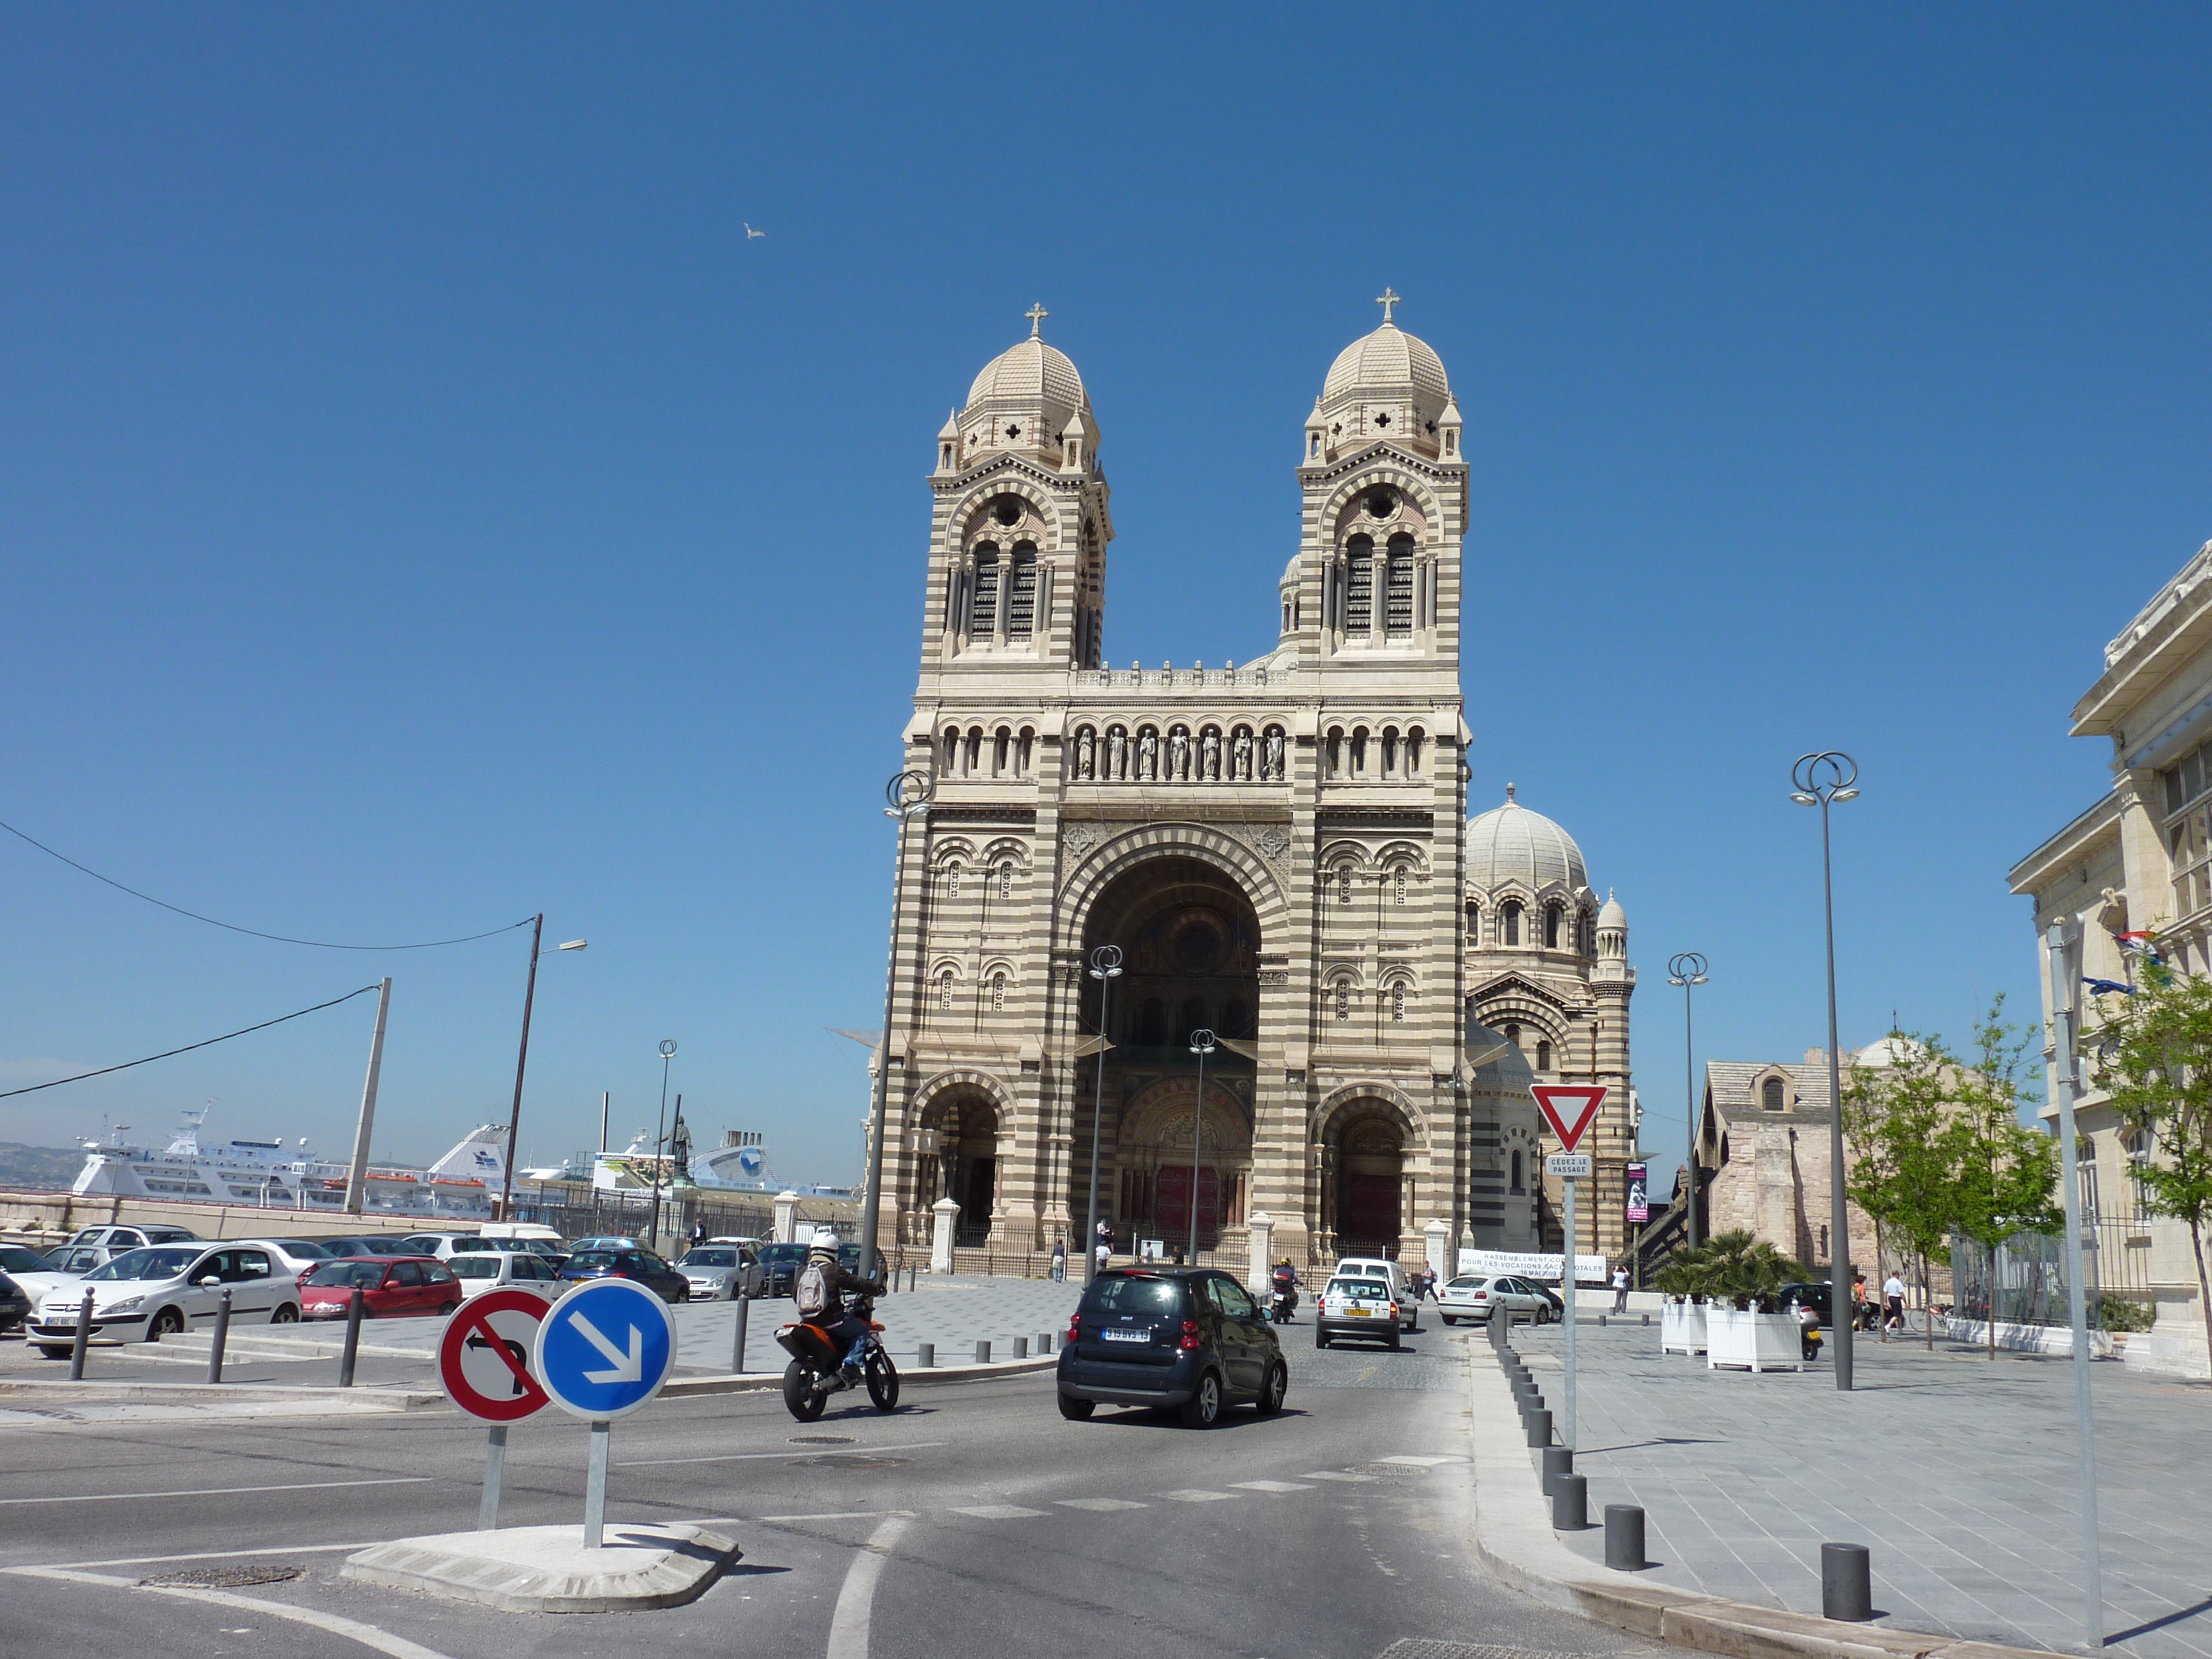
(1570, 1109)
(604, 1350)
(483, 1361)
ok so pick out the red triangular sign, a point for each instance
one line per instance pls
(1570, 1109)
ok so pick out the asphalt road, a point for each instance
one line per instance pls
(973, 1522)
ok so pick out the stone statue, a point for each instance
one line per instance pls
(1240, 758)
(1085, 756)
(1210, 757)
(1271, 761)
(1116, 753)
(1179, 756)
(1148, 749)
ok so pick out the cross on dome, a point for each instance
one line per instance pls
(1037, 314)
(1387, 299)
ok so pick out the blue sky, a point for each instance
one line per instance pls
(422, 505)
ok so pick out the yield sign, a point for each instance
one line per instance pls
(483, 1357)
(1569, 1108)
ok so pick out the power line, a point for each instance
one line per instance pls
(189, 1047)
(320, 944)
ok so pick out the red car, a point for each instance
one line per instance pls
(390, 1286)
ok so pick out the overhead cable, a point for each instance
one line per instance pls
(189, 1047)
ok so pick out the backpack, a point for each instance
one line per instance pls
(813, 1291)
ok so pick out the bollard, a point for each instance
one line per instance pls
(912, 1274)
(1539, 1426)
(1647, 1319)
(737, 1338)
(221, 1335)
(1846, 1583)
(355, 1309)
(983, 1354)
(84, 1335)
(1558, 1461)
(1570, 1504)
(1624, 1538)
(925, 1356)
(1044, 1342)
(1021, 1347)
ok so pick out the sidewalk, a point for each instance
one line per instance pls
(1958, 1474)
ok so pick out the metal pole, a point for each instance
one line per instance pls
(595, 1490)
(357, 1176)
(907, 794)
(494, 1469)
(738, 1341)
(1105, 967)
(222, 1338)
(2062, 945)
(351, 1352)
(605, 1096)
(1690, 1100)
(1842, 1317)
(660, 1134)
(1567, 1275)
(84, 1335)
(1202, 1045)
(521, 1060)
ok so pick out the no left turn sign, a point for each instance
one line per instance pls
(483, 1358)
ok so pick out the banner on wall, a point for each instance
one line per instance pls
(1531, 1264)
(1639, 1193)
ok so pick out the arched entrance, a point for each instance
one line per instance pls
(960, 1161)
(1169, 1158)
(1369, 1164)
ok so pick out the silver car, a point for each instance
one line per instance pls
(1475, 1297)
(722, 1273)
(164, 1289)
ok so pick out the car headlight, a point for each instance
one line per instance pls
(128, 1305)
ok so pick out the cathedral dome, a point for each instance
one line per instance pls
(1028, 372)
(1510, 844)
(1387, 363)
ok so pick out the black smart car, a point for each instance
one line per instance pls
(1188, 1340)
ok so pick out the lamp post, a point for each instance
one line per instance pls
(522, 1056)
(1105, 967)
(905, 795)
(1202, 1045)
(660, 1128)
(1822, 780)
(1686, 969)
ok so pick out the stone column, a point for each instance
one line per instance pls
(787, 1217)
(1437, 1235)
(1260, 1228)
(947, 1211)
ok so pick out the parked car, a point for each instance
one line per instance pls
(1188, 1339)
(14, 1303)
(163, 1289)
(1360, 1308)
(544, 1250)
(606, 1241)
(642, 1265)
(441, 1245)
(367, 1244)
(1475, 1297)
(1392, 1274)
(503, 1270)
(722, 1273)
(34, 1275)
(132, 1237)
(302, 1254)
(780, 1265)
(389, 1287)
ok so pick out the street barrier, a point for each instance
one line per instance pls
(1624, 1538)
(222, 1336)
(983, 1353)
(1846, 1583)
(1021, 1347)
(1540, 1428)
(1558, 1461)
(356, 1305)
(926, 1356)
(83, 1336)
(1570, 1504)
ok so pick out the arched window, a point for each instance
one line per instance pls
(1769, 1094)
(1007, 880)
(1359, 586)
(1398, 615)
(1344, 998)
(997, 993)
(1021, 595)
(1586, 935)
(1513, 1035)
(944, 990)
(1473, 924)
(1398, 884)
(1509, 922)
(1397, 1002)
(1518, 1186)
(1543, 1054)
(1552, 913)
(983, 609)
(1343, 883)
(952, 879)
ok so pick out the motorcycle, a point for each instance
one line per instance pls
(1286, 1303)
(817, 1360)
(1809, 1331)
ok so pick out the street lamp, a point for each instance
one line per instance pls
(1686, 969)
(522, 1058)
(660, 1128)
(1202, 1045)
(1105, 967)
(905, 796)
(1822, 780)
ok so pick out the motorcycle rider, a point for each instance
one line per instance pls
(1285, 1277)
(820, 1291)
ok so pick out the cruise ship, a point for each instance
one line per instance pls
(460, 1186)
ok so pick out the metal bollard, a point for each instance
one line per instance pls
(221, 1335)
(1021, 1347)
(1558, 1461)
(1846, 1583)
(1540, 1427)
(1570, 1504)
(1624, 1538)
(737, 1338)
(983, 1354)
(84, 1335)
(912, 1275)
(1043, 1343)
(925, 1356)
(1601, 1319)
(1647, 1319)
(355, 1309)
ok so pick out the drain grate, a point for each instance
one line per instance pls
(1415, 1648)
(822, 1440)
(228, 1578)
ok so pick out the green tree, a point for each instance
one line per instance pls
(2004, 1175)
(1893, 1116)
(2155, 1053)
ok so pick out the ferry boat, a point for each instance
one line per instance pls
(460, 1186)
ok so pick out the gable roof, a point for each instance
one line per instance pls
(1731, 1086)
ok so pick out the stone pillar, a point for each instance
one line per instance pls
(787, 1217)
(1438, 1238)
(947, 1211)
(1260, 1229)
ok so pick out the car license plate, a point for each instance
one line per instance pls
(1361, 1313)
(1127, 1336)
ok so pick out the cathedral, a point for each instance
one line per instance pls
(1279, 852)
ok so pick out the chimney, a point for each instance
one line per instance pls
(1817, 1057)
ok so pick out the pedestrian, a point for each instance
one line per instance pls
(698, 1234)
(1620, 1288)
(1429, 1283)
(1103, 1252)
(1893, 1296)
(1060, 1257)
(1860, 1310)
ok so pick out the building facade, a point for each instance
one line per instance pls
(1278, 849)
(1763, 1150)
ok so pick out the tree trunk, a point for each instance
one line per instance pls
(1990, 1294)
(1927, 1301)
(2203, 1287)
(1881, 1321)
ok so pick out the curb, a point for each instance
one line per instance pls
(60, 1389)
(1514, 1538)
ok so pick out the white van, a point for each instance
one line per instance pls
(1374, 1267)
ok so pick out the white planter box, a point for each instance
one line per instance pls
(1759, 1341)
(1682, 1328)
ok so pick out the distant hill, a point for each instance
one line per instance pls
(35, 1167)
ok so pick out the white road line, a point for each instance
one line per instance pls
(383, 1642)
(830, 1515)
(802, 1451)
(206, 1555)
(848, 1625)
(1198, 1495)
(1337, 1475)
(999, 1512)
(1269, 1486)
(1422, 1462)
(223, 1492)
(1101, 1505)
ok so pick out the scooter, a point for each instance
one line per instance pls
(1284, 1304)
(817, 1367)
(1808, 1332)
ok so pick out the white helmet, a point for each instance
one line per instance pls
(824, 1244)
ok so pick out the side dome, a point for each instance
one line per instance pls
(1390, 362)
(1030, 371)
(1510, 844)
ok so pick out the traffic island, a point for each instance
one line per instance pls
(549, 1570)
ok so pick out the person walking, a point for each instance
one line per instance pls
(1620, 1288)
(1059, 1258)
(1893, 1299)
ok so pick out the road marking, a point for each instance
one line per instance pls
(1337, 1475)
(224, 1491)
(830, 1515)
(998, 1512)
(848, 1625)
(1197, 1495)
(804, 1451)
(1102, 1504)
(1269, 1486)
(1419, 1462)
(208, 1555)
(383, 1642)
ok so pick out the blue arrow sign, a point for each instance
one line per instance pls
(605, 1349)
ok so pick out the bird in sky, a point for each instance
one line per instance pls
(750, 233)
